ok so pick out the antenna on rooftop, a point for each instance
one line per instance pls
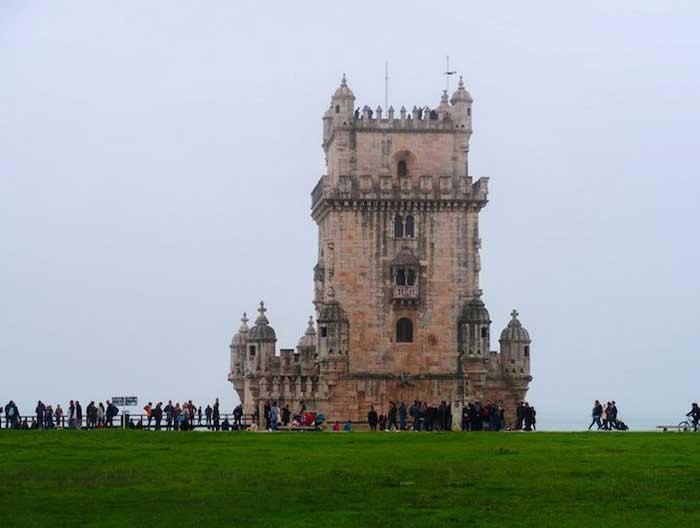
(447, 74)
(386, 86)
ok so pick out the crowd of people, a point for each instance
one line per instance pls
(606, 417)
(179, 417)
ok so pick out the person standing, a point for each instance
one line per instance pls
(596, 414)
(199, 415)
(112, 411)
(71, 414)
(215, 416)
(402, 416)
(158, 415)
(372, 419)
(274, 416)
(207, 413)
(148, 409)
(58, 415)
(286, 414)
(78, 415)
(91, 413)
(169, 409)
(392, 416)
(40, 410)
(101, 413)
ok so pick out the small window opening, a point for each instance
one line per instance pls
(409, 226)
(411, 277)
(398, 226)
(484, 331)
(337, 109)
(527, 351)
(324, 331)
(400, 277)
(252, 351)
(404, 330)
(402, 169)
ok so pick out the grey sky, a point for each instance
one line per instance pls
(156, 160)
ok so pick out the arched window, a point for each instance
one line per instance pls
(527, 351)
(402, 169)
(398, 226)
(401, 277)
(404, 331)
(411, 277)
(409, 226)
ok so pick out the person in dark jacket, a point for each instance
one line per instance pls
(215, 415)
(402, 416)
(519, 416)
(596, 414)
(238, 415)
(40, 410)
(392, 416)
(158, 414)
(372, 419)
(78, 415)
(112, 411)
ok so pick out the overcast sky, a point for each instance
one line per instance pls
(156, 160)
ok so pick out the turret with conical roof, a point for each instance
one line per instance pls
(307, 347)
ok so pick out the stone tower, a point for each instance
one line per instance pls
(399, 310)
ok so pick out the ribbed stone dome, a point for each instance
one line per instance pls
(461, 95)
(262, 331)
(241, 336)
(308, 340)
(343, 91)
(331, 311)
(515, 332)
(475, 312)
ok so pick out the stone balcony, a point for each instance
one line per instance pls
(382, 188)
(406, 294)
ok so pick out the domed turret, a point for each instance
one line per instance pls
(475, 312)
(262, 331)
(240, 337)
(462, 107)
(461, 95)
(342, 104)
(308, 340)
(515, 332)
(238, 347)
(474, 328)
(515, 347)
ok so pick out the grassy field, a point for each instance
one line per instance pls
(134, 478)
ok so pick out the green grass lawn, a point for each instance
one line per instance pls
(136, 478)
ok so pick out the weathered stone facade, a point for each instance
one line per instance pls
(398, 304)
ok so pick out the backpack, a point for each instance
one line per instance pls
(11, 412)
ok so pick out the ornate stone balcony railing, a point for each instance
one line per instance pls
(406, 292)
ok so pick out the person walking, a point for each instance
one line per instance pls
(372, 419)
(596, 414)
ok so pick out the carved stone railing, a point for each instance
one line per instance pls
(406, 292)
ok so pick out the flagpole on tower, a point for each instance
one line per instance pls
(386, 86)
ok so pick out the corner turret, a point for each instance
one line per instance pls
(515, 347)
